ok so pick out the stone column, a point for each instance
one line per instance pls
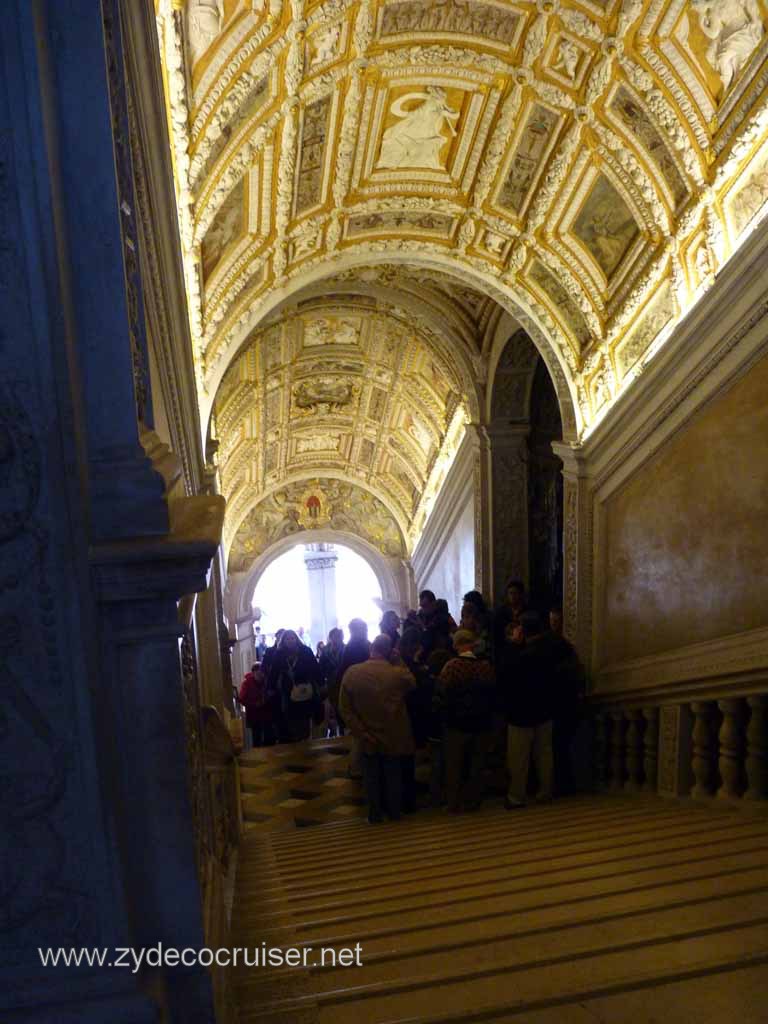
(509, 505)
(577, 550)
(320, 560)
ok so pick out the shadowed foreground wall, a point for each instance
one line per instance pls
(687, 537)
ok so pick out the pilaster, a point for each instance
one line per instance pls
(509, 505)
(137, 586)
(577, 549)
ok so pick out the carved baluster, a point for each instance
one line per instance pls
(757, 749)
(704, 749)
(618, 749)
(635, 773)
(601, 750)
(651, 748)
(731, 738)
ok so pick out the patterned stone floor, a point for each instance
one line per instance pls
(299, 784)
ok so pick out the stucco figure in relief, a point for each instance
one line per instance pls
(568, 57)
(417, 139)
(204, 24)
(324, 46)
(734, 28)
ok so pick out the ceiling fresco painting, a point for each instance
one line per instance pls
(417, 170)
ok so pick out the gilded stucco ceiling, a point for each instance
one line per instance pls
(342, 387)
(589, 165)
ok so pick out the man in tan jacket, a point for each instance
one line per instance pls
(372, 703)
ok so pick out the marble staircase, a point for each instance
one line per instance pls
(596, 908)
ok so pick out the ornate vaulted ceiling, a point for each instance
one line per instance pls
(371, 192)
(587, 164)
(344, 387)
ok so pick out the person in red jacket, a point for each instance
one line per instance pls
(258, 711)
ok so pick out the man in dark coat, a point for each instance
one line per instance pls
(531, 699)
(330, 669)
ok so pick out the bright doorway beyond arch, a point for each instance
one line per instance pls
(284, 595)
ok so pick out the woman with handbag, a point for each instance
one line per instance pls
(294, 676)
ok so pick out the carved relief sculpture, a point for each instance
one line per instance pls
(324, 46)
(204, 24)
(734, 29)
(416, 139)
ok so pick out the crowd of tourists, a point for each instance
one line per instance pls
(495, 697)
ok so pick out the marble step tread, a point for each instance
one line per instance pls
(484, 841)
(352, 838)
(661, 884)
(358, 923)
(526, 939)
(560, 943)
(316, 889)
(456, 891)
(735, 995)
(448, 935)
(464, 999)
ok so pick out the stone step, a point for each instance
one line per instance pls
(504, 916)
(735, 994)
(473, 866)
(476, 842)
(510, 950)
(525, 875)
(518, 986)
(447, 935)
(351, 838)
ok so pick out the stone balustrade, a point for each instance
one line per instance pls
(706, 749)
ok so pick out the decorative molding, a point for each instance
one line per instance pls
(738, 663)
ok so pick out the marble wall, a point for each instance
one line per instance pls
(686, 546)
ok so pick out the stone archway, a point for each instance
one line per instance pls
(524, 419)
(395, 578)
(532, 318)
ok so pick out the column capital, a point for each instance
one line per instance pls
(573, 458)
(322, 562)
